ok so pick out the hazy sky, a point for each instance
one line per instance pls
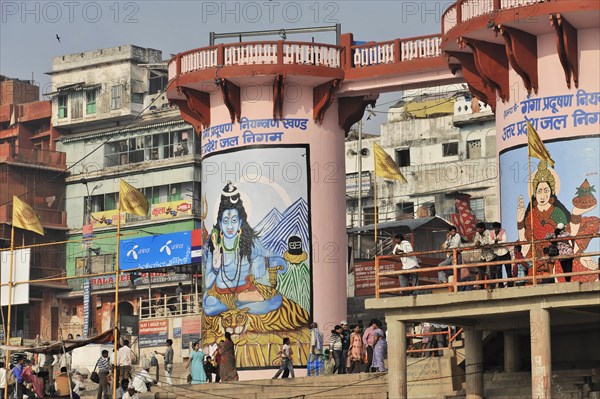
(28, 29)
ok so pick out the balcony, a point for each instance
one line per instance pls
(33, 157)
(49, 218)
(528, 12)
(345, 62)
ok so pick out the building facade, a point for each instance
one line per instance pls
(115, 125)
(32, 169)
(444, 144)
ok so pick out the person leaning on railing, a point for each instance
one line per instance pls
(453, 240)
(498, 237)
(545, 268)
(404, 247)
(520, 267)
(482, 240)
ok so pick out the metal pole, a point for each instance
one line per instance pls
(359, 242)
(117, 274)
(239, 35)
(88, 263)
(10, 293)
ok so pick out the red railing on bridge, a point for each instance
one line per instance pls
(302, 53)
(456, 268)
(465, 10)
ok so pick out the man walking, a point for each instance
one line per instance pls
(103, 366)
(314, 367)
(124, 360)
(345, 345)
(369, 342)
(18, 373)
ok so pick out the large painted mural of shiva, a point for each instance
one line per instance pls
(256, 263)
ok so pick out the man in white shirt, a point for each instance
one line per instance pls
(452, 241)
(131, 393)
(403, 247)
(125, 358)
(498, 237)
(482, 240)
(142, 378)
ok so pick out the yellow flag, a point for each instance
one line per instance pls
(385, 166)
(536, 146)
(24, 217)
(131, 200)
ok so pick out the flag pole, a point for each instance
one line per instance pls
(531, 215)
(10, 287)
(117, 280)
(376, 217)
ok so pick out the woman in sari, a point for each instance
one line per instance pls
(379, 350)
(196, 365)
(228, 370)
(357, 352)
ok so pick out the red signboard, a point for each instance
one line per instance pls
(364, 277)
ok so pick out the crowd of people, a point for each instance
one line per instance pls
(493, 248)
(351, 349)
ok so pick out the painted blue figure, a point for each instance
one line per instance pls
(235, 259)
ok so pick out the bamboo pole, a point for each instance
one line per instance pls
(10, 286)
(530, 183)
(376, 217)
(117, 278)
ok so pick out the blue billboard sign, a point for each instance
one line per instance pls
(153, 252)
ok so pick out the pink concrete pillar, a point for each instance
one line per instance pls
(273, 193)
(541, 354)
(397, 366)
(474, 363)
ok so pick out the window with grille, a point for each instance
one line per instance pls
(90, 102)
(478, 208)
(115, 96)
(77, 105)
(62, 106)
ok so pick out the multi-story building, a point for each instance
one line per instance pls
(32, 169)
(115, 125)
(444, 144)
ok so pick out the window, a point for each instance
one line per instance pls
(115, 96)
(62, 106)
(478, 208)
(368, 216)
(77, 105)
(158, 81)
(137, 91)
(449, 149)
(90, 101)
(175, 192)
(150, 147)
(405, 210)
(137, 98)
(473, 149)
(403, 157)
